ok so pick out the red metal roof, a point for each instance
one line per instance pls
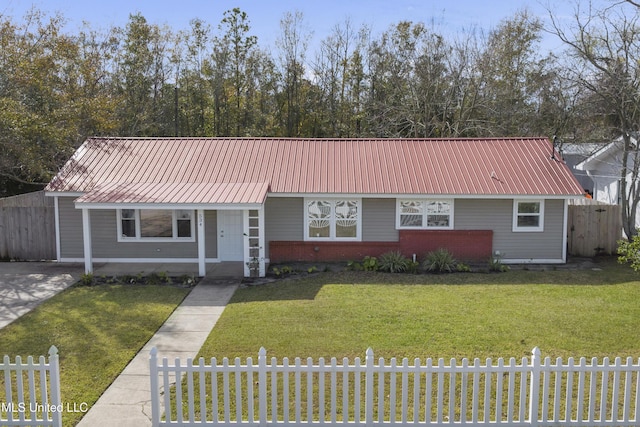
(177, 193)
(455, 167)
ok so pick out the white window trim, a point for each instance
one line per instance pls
(424, 226)
(332, 220)
(520, 229)
(138, 238)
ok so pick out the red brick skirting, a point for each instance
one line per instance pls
(467, 245)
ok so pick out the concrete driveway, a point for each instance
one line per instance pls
(24, 285)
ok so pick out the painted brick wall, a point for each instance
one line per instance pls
(468, 245)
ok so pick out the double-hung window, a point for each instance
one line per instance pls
(528, 215)
(155, 225)
(425, 214)
(332, 219)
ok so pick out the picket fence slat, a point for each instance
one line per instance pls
(529, 392)
(31, 391)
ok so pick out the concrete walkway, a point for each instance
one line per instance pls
(24, 285)
(127, 402)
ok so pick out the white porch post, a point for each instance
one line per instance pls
(56, 218)
(263, 271)
(86, 238)
(253, 229)
(202, 268)
(565, 230)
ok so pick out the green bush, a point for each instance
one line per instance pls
(496, 265)
(439, 261)
(462, 268)
(629, 253)
(87, 279)
(354, 266)
(370, 263)
(413, 267)
(393, 262)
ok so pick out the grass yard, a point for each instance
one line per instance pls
(564, 312)
(97, 331)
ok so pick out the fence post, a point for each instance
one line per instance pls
(155, 398)
(534, 390)
(262, 386)
(368, 383)
(54, 379)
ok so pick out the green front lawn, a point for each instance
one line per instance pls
(565, 313)
(97, 331)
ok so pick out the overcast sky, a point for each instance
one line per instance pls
(319, 15)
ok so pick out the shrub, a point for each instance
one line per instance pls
(187, 280)
(393, 262)
(282, 271)
(629, 253)
(413, 267)
(439, 261)
(370, 263)
(354, 266)
(462, 268)
(496, 265)
(87, 279)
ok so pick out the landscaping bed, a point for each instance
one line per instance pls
(152, 279)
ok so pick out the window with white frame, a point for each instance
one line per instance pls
(332, 219)
(425, 214)
(155, 225)
(528, 215)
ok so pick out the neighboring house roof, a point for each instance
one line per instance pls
(211, 170)
(610, 149)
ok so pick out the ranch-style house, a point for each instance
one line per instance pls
(274, 200)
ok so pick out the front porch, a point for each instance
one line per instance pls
(175, 223)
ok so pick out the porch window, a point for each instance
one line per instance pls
(528, 215)
(425, 214)
(155, 225)
(332, 219)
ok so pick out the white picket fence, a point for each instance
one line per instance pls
(30, 395)
(534, 392)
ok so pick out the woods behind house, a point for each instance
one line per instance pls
(216, 79)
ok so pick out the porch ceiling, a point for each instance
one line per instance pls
(232, 193)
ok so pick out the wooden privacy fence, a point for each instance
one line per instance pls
(533, 392)
(30, 392)
(27, 227)
(594, 228)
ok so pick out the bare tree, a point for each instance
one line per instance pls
(605, 47)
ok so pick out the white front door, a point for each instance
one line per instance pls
(230, 238)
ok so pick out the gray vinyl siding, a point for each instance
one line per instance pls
(210, 234)
(497, 215)
(106, 245)
(70, 222)
(283, 220)
(104, 237)
(379, 220)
